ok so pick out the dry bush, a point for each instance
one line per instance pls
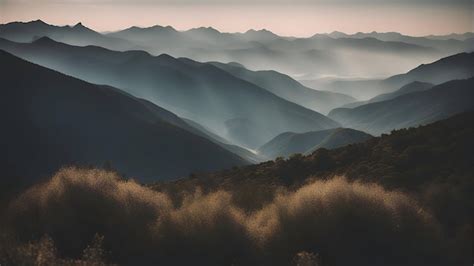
(343, 222)
(307, 259)
(76, 204)
(347, 223)
(43, 253)
(206, 229)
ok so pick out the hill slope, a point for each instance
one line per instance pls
(235, 109)
(409, 110)
(458, 66)
(409, 88)
(288, 88)
(290, 143)
(56, 120)
(406, 159)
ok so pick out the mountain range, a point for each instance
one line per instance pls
(288, 88)
(302, 58)
(409, 88)
(412, 109)
(460, 42)
(77, 34)
(457, 66)
(240, 111)
(289, 143)
(56, 120)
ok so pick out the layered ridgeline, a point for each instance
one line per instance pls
(413, 109)
(418, 100)
(241, 111)
(289, 143)
(55, 120)
(458, 66)
(409, 88)
(440, 42)
(288, 88)
(77, 34)
(298, 57)
(304, 58)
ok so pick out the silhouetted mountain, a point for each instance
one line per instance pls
(302, 58)
(361, 89)
(197, 91)
(290, 143)
(298, 57)
(305, 58)
(76, 35)
(288, 88)
(456, 36)
(158, 39)
(262, 35)
(453, 43)
(56, 120)
(411, 109)
(409, 88)
(459, 66)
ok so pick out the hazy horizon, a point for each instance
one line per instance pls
(302, 18)
(223, 31)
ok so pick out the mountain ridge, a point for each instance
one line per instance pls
(290, 143)
(197, 91)
(96, 124)
(413, 109)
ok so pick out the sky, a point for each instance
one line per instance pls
(290, 18)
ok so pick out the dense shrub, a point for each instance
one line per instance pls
(43, 252)
(344, 222)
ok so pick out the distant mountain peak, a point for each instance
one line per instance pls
(44, 40)
(261, 31)
(163, 28)
(38, 21)
(80, 26)
(236, 64)
(166, 57)
(205, 29)
(259, 34)
(334, 34)
(156, 28)
(33, 23)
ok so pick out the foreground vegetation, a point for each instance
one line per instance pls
(401, 199)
